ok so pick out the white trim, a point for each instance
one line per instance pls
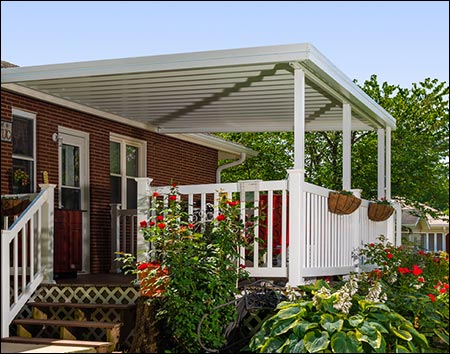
(141, 145)
(214, 142)
(32, 116)
(85, 194)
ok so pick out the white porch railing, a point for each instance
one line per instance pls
(330, 239)
(27, 255)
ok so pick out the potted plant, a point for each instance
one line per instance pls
(21, 181)
(343, 202)
(380, 210)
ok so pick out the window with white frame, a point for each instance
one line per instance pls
(126, 162)
(23, 151)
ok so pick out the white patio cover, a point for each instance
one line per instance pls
(239, 90)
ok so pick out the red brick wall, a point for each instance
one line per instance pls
(167, 158)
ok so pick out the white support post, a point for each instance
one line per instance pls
(388, 163)
(346, 146)
(297, 243)
(115, 234)
(143, 206)
(381, 176)
(356, 227)
(47, 232)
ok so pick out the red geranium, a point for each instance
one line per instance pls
(416, 270)
(160, 218)
(143, 223)
(172, 197)
(220, 217)
(161, 225)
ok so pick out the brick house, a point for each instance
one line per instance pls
(43, 131)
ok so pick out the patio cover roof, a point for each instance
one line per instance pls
(238, 90)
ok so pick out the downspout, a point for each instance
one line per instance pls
(219, 170)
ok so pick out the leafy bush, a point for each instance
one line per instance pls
(341, 321)
(202, 263)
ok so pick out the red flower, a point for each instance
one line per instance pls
(172, 197)
(152, 223)
(403, 270)
(416, 270)
(233, 203)
(174, 185)
(143, 223)
(377, 272)
(142, 266)
(446, 286)
(389, 255)
(372, 244)
(155, 194)
(387, 250)
(160, 218)
(442, 290)
(432, 297)
(220, 217)
(243, 266)
(161, 225)
(421, 279)
(191, 225)
(421, 252)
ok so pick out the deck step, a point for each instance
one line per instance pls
(67, 328)
(100, 347)
(83, 305)
(66, 323)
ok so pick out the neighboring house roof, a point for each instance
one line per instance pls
(227, 149)
(6, 64)
(411, 217)
(234, 90)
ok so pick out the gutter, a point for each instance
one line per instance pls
(219, 170)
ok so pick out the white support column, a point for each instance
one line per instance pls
(297, 243)
(346, 146)
(47, 234)
(143, 206)
(388, 163)
(381, 176)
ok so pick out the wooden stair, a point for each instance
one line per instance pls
(92, 326)
(99, 347)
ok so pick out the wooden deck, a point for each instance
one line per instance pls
(98, 279)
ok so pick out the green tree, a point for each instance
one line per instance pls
(420, 148)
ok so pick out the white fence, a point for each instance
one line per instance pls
(27, 255)
(330, 239)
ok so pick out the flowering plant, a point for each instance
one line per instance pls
(21, 177)
(201, 265)
(416, 284)
(382, 201)
(345, 319)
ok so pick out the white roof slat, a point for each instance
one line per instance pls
(225, 89)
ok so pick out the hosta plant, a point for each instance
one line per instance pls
(341, 321)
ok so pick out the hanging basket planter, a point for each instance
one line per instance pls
(11, 207)
(379, 212)
(342, 204)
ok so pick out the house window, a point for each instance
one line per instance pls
(126, 162)
(24, 151)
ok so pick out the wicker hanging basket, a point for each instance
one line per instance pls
(379, 212)
(342, 204)
(11, 207)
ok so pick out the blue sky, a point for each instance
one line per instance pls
(400, 41)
